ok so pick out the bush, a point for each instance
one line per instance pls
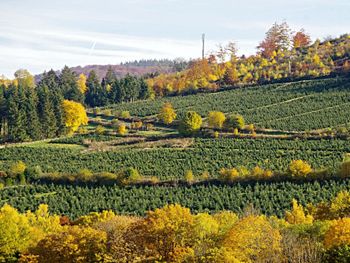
(100, 129)
(122, 129)
(129, 175)
(85, 175)
(191, 123)
(234, 121)
(189, 177)
(339, 254)
(125, 115)
(228, 175)
(299, 168)
(216, 119)
(17, 168)
(33, 173)
(96, 111)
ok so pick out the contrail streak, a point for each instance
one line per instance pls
(92, 48)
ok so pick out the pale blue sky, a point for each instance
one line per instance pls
(41, 34)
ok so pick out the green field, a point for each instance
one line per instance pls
(168, 163)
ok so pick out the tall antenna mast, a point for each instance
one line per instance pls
(203, 40)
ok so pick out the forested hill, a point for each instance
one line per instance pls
(137, 68)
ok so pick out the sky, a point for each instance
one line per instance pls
(40, 34)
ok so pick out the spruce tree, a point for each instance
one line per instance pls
(33, 125)
(144, 90)
(95, 95)
(3, 112)
(46, 113)
(69, 86)
(16, 115)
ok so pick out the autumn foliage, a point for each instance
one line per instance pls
(75, 115)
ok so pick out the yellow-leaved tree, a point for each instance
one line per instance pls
(82, 83)
(253, 237)
(299, 168)
(15, 233)
(297, 215)
(167, 233)
(167, 113)
(216, 119)
(338, 234)
(72, 244)
(75, 115)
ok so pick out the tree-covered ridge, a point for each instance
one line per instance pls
(281, 56)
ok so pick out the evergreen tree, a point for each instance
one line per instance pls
(69, 86)
(117, 92)
(107, 84)
(51, 80)
(46, 113)
(57, 100)
(132, 86)
(16, 115)
(144, 90)
(96, 94)
(33, 125)
(3, 112)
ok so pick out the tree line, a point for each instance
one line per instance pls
(315, 233)
(46, 110)
(30, 111)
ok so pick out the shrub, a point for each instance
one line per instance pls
(299, 168)
(122, 129)
(228, 175)
(136, 125)
(129, 175)
(17, 168)
(125, 115)
(107, 112)
(189, 177)
(85, 175)
(191, 123)
(234, 121)
(216, 119)
(100, 129)
(167, 113)
(97, 111)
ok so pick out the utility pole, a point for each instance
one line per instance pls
(203, 41)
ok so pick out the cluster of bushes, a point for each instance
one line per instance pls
(191, 122)
(298, 170)
(85, 176)
(175, 234)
